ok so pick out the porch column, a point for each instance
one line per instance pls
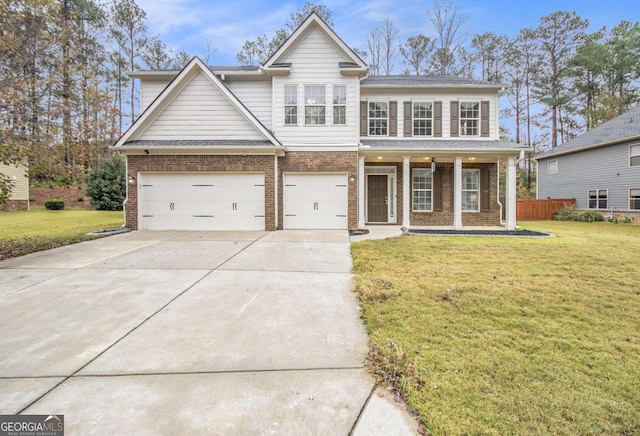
(361, 204)
(457, 193)
(511, 193)
(406, 190)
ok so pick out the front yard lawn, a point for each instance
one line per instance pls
(495, 335)
(40, 229)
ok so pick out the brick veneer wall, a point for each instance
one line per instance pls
(69, 194)
(14, 205)
(200, 163)
(321, 162)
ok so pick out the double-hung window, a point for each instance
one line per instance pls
(378, 118)
(291, 105)
(314, 104)
(339, 105)
(470, 190)
(597, 198)
(469, 118)
(422, 119)
(422, 190)
(634, 198)
(634, 155)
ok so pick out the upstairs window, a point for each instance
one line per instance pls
(291, 105)
(314, 105)
(422, 190)
(634, 198)
(339, 105)
(378, 118)
(634, 155)
(469, 118)
(422, 119)
(470, 190)
(597, 198)
(552, 166)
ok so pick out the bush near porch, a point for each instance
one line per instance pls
(509, 335)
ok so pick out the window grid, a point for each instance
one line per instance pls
(314, 100)
(422, 190)
(552, 166)
(469, 118)
(634, 155)
(422, 119)
(634, 198)
(291, 105)
(339, 105)
(597, 198)
(470, 190)
(378, 118)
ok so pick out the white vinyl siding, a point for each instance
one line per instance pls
(634, 155)
(634, 198)
(17, 174)
(200, 111)
(256, 96)
(314, 104)
(469, 118)
(339, 105)
(378, 118)
(291, 105)
(149, 90)
(422, 119)
(470, 190)
(422, 190)
(597, 199)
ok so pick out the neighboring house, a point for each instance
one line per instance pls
(309, 141)
(19, 198)
(600, 168)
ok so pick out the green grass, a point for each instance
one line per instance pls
(40, 229)
(509, 335)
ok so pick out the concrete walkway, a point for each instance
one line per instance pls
(191, 332)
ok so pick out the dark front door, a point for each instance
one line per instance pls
(377, 197)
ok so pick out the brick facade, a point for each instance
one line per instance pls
(321, 162)
(14, 205)
(200, 163)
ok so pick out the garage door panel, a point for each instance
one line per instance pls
(202, 201)
(315, 201)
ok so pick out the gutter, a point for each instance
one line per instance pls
(588, 147)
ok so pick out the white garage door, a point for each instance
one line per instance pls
(201, 201)
(315, 201)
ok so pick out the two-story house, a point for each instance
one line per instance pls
(310, 141)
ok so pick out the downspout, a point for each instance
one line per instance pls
(498, 190)
(126, 184)
(275, 188)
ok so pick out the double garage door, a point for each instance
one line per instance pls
(224, 201)
(201, 201)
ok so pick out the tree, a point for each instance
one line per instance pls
(417, 52)
(382, 45)
(106, 184)
(489, 53)
(373, 42)
(447, 22)
(623, 44)
(260, 49)
(156, 55)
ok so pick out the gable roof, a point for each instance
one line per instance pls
(625, 127)
(175, 87)
(436, 81)
(314, 21)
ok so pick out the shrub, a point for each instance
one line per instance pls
(106, 184)
(588, 216)
(54, 204)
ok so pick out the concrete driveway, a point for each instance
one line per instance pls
(185, 332)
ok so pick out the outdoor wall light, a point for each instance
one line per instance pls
(472, 158)
(132, 179)
(433, 165)
(146, 152)
(352, 177)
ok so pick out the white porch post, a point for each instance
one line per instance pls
(406, 183)
(457, 193)
(511, 193)
(361, 204)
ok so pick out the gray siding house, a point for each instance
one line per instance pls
(600, 168)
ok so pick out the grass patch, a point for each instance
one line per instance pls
(509, 335)
(40, 229)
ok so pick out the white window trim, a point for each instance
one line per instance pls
(479, 119)
(629, 195)
(477, 191)
(334, 105)
(597, 199)
(413, 190)
(633, 155)
(306, 105)
(369, 117)
(413, 118)
(549, 169)
(284, 94)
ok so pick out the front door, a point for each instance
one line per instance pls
(377, 198)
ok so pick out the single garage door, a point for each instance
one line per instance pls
(201, 201)
(315, 201)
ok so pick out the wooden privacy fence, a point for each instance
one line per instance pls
(541, 209)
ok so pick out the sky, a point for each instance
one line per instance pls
(190, 25)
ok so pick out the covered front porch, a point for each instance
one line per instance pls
(436, 189)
